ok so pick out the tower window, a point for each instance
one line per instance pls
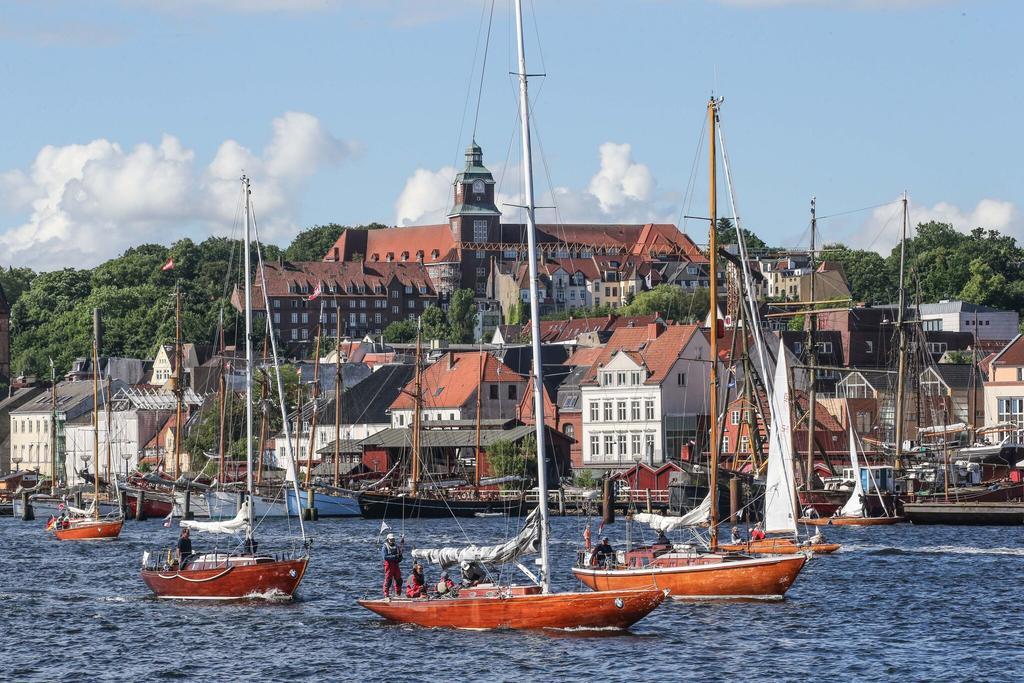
(480, 231)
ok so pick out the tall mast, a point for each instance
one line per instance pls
(222, 394)
(338, 389)
(311, 439)
(713, 295)
(59, 470)
(901, 330)
(95, 412)
(264, 416)
(179, 389)
(479, 410)
(417, 400)
(110, 428)
(812, 394)
(248, 362)
(531, 236)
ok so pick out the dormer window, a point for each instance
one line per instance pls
(389, 257)
(435, 254)
(405, 256)
(419, 255)
(375, 257)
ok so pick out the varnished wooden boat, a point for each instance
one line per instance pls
(690, 574)
(374, 505)
(219, 576)
(778, 546)
(494, 607)
(851, 521)
(87, 529)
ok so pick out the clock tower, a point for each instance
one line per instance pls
(475, 220)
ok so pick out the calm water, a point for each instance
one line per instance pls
(897, 603)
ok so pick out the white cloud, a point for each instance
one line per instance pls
(881, 232)
(86, 203)
(426, 197)
(621, 190)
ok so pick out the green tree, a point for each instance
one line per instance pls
(461, 316)
(400, 332)
(672, 303)
(515, 314)
(312, 244)
(15, 281)
(725, 233)
(795, 324)
(434, 324)
(870, 277)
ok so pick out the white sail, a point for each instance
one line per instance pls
(695, 517)
(855, 505)
(780, 490)
(525, 542)
(237, 523)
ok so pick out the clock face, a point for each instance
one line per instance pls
(478, 187)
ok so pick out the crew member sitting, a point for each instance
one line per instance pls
(662, 539)
(603, 552)
(445, 584)
(472, 574)
(736, 538)
(417, 585)
(757, 534)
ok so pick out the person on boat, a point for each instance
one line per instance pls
(662, 539)
(417, 586)
(736, 537)
(472, 574)
(445, 584)
(391, 553)
(184, 550)
(757, 534)
(603, 552)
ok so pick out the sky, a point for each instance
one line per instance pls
(130, 121)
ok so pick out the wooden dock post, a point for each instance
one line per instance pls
(140, 506)
(734, 500)
(608, 502)
(561, 502)
(27, 513)
(78, 499)
(187, 513)
(647, 494)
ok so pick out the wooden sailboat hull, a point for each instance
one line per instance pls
(706, 577)
(965, 513)
(155, 504)
(778, 546)
(617, 609)
(228, 581)
(852, 521)
(385, 506)
(91, 530)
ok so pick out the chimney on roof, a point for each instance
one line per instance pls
(451, 361)
(653, 330)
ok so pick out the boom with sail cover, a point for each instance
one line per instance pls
(524, 543)
(695, 517)
(780, 490)
(240, 522)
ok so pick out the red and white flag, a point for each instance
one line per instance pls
(317, 291)
(169, 265)
(167, 519)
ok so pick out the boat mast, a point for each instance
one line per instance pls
(264, 417)
(337, 399)
(812, 394)
(179, 390)
(479, 410)
(713, 295)
(901, 330)
(417, 401)
(110, 431)
(95, 412)
(60, 470)
(248, 365)
(222, 395)
(311, 439)
(538, 372)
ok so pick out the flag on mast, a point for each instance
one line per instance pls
(317, 291)
(169, 265)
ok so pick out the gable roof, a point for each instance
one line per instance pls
(1012, 353)
(452, 380)
(657, 353)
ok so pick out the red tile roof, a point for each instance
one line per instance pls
(585, 355)
(281, 278)
(451, 381)
(1012, 354)
(658, 354)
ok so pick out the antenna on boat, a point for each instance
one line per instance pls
(531, 237)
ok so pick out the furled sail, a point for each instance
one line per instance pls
(695, 517)
(525, 542)
(855, 505)
(780, 489)
(230, 526)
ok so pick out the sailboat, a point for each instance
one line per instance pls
(780, 498)
(855, 512)
(686, 571)
(491, 606)
(75, 524)
(243, 571)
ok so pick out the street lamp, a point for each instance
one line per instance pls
(126, 456)
(16, 459)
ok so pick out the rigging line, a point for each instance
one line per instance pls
(483, 70)
(688, 193)
(469, 89)
(863, 208)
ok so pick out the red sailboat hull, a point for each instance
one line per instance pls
(609, 609)
(154, 505)
(91, 530)
(228, 581)
(706, 576)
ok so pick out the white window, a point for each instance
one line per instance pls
(622, 444)
(595, 411)
(635, 411)
(608, 411)
(622, 411)
(649, 445)
(869, 346)
(649, 409)
(636, 444)
(595, 445)
(744, 444)
(621, 379)
(725, 444)
(481, 255)
(394, 309)
(609, 445)
(735, 417)
(480, 231)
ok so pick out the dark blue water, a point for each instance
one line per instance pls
(897, 603)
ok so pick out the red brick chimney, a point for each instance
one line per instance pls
(653, 330)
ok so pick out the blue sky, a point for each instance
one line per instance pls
(127, 122)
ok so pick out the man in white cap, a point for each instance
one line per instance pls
(391, 553)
